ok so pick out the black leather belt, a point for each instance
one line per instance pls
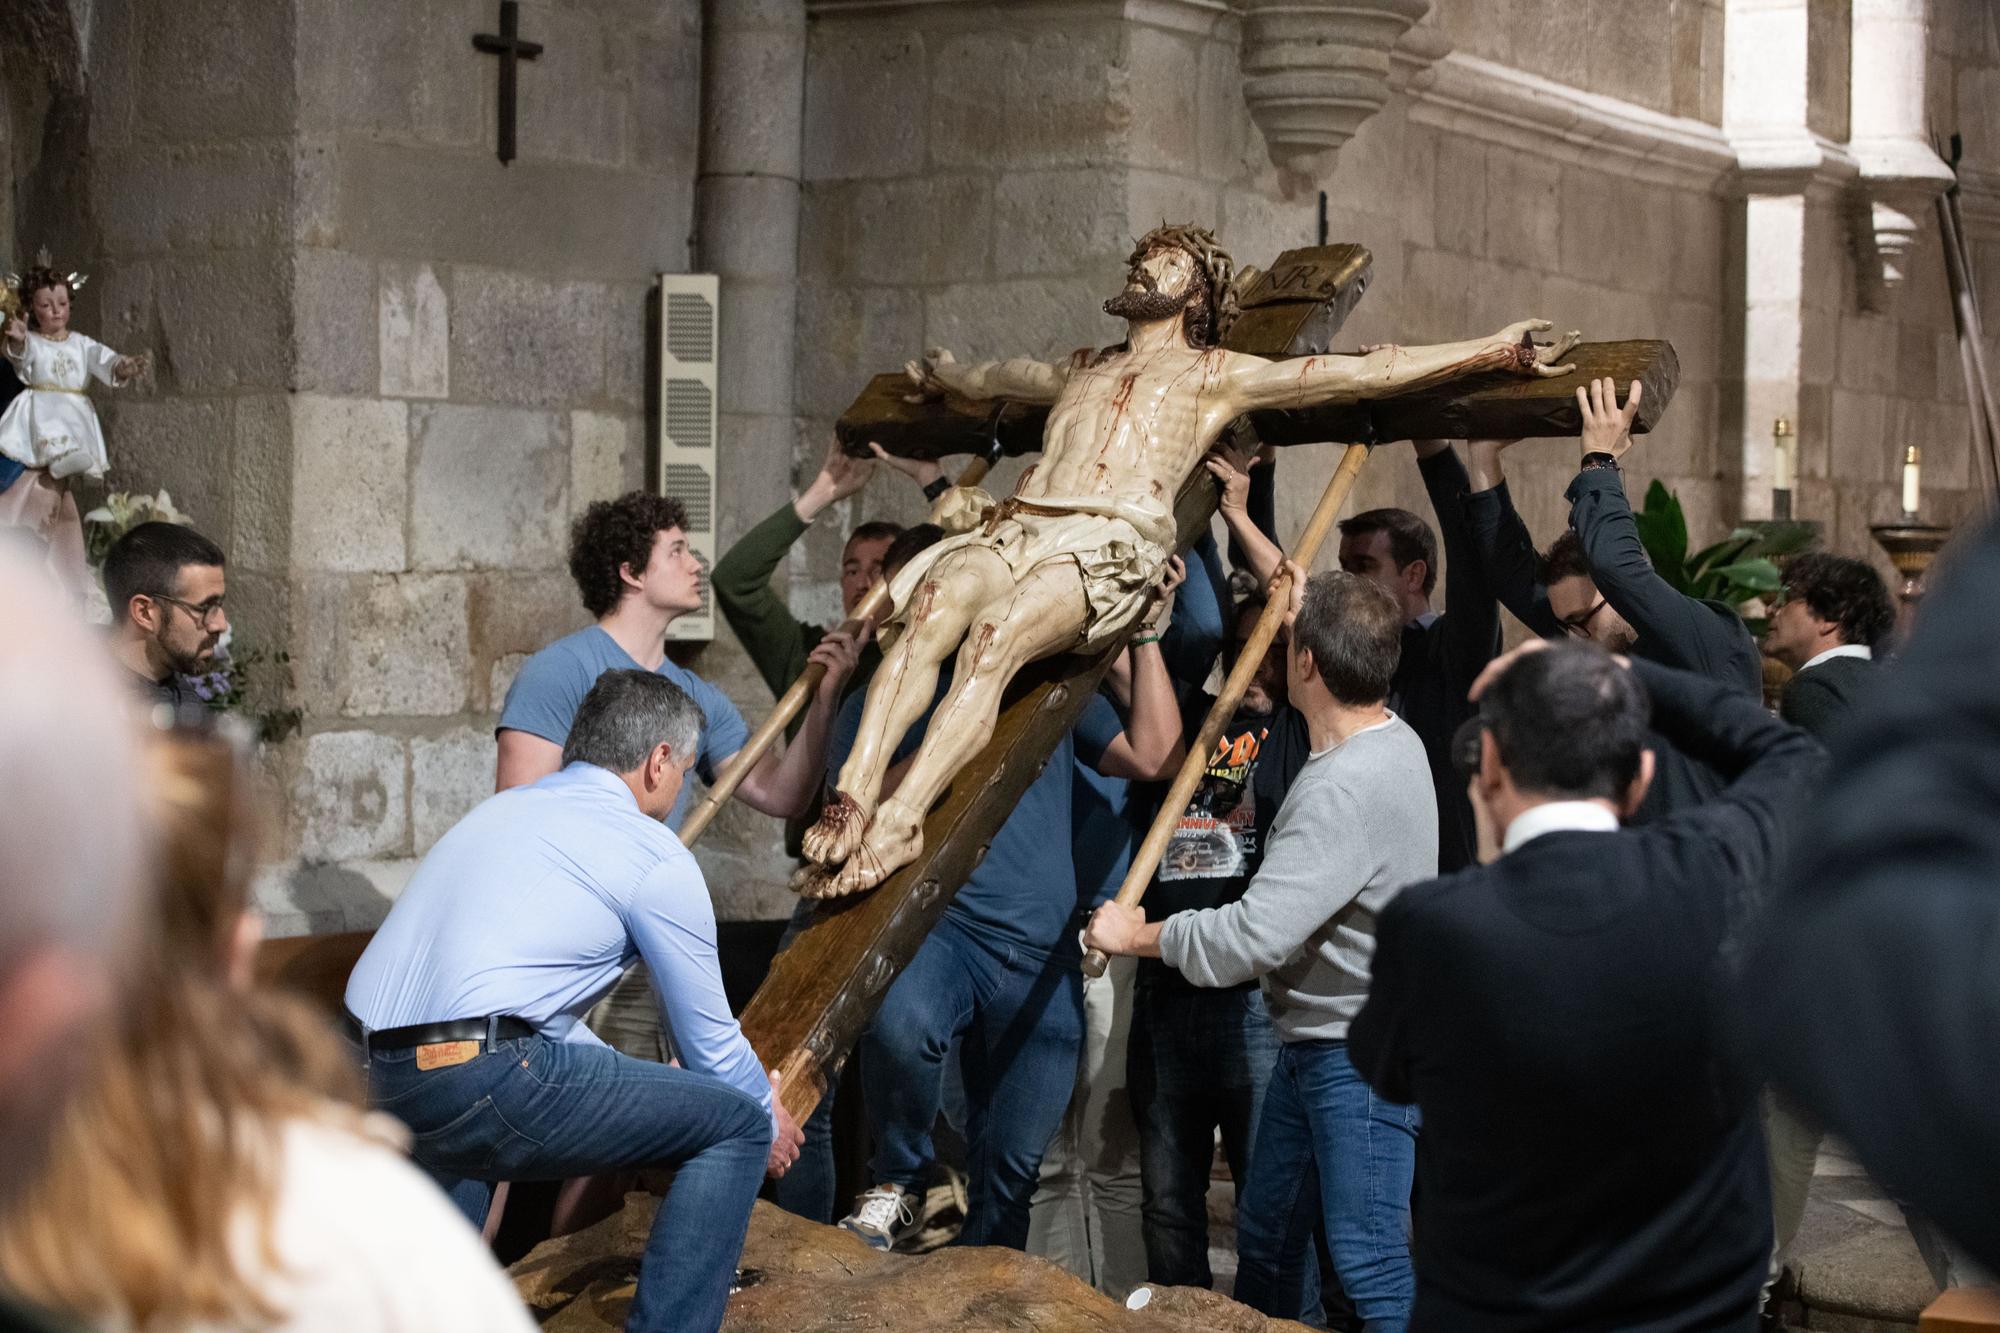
(503, 1028)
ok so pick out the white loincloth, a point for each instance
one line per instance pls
(1119, 547)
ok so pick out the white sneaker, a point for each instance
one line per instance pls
(883, 1215)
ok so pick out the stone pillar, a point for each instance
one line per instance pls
(1783, 168)
(747, 232)
(1900, 173)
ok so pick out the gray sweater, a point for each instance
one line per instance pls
(1358, 825)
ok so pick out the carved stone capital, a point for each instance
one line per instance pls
(1314, 70)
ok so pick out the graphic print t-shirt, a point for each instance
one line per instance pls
(1219, 841)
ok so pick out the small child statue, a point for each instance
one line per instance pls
(49, 432)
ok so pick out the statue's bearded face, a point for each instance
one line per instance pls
(1158, 285)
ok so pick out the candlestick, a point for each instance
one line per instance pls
(1784, 467)
(1910, 480)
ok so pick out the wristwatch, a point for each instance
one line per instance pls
(1597, 458)
(936, 486)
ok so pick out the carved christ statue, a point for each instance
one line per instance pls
(1070, 560)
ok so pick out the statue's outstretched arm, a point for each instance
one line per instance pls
(1392, 369)
(1022, 379)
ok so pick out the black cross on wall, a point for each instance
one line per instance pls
(511, 50)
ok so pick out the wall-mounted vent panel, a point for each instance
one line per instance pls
(686, 466)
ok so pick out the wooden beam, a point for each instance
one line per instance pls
(1494, 406)
(1491, 406)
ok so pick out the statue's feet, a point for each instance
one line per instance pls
(838, 832)
(811, 881)
(895, 838)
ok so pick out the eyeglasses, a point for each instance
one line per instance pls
(1579, 626)
(206, 614)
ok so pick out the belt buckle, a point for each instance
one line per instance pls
(445, 1054)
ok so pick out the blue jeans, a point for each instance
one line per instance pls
(530, 1109)
(1021, 1018)
(1198, 1061)
(1328, 1148)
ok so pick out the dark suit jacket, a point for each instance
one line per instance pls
(1820, 698)
(1874, 995)
(1442, 659)
(1585, 1162)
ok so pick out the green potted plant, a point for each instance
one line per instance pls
(1741, 567)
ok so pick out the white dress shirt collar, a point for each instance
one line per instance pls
(1860, 650)
(1559, 816)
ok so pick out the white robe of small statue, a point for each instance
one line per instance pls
(49, 432)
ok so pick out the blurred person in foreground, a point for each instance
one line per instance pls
(1873, 994)
(71, 849)
(216, 1171)
(1589, 1161)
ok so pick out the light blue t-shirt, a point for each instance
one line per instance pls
(544, 698)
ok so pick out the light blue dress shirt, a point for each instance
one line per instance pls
(533, 904)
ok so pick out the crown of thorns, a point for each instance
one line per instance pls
(1215, 263)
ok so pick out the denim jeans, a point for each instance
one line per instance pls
(1199, 1062)
(530, 1109)
(1328, 1148)
(1021, 1018)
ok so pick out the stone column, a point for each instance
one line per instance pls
(747, 232)
(1783, 168)
(1900, 173)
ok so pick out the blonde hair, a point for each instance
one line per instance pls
(175, 1138)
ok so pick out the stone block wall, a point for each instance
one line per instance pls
(391, 369)
(471, 372)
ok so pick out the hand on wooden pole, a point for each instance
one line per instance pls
(1147, 859)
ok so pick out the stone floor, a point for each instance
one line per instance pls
(1853, 1268)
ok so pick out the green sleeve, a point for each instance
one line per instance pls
(777, 643)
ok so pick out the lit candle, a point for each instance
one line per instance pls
(1784, 463)
(1910, 480)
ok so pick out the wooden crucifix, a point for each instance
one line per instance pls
(824, 988)
(507, 44)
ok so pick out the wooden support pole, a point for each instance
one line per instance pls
(1147, 859)
(1971, 340)
(794, 700)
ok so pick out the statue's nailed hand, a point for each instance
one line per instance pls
(928, 375)
(1533, 358)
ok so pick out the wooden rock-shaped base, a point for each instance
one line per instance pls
(815, 1276)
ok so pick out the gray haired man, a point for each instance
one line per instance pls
(469, 1001)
